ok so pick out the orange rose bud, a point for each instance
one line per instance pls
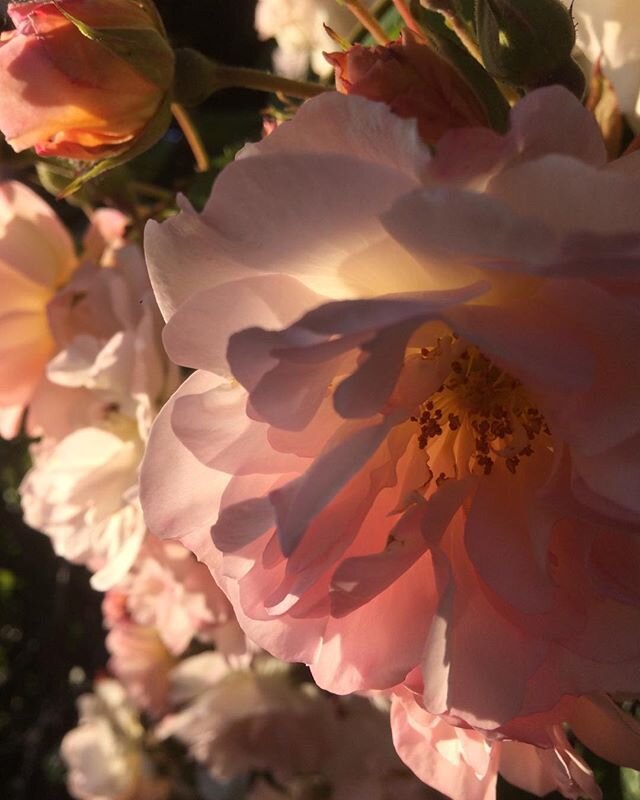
(82, 79)
(414, 81)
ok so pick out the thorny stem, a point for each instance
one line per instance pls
(367, 20)
(191, 134)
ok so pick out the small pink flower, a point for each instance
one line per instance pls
(142, 664)
(262, 718)
(168, 590)
(257, 718)
(105, 754)
(94, 413)
(36, 258)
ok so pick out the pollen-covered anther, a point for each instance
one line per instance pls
(487, 410)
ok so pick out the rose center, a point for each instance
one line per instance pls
(485, 413)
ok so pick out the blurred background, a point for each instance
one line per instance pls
(51, 635)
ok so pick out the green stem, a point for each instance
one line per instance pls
(245, 78)
(192, 135)
(197, 77)
(379, 8)
(367, 20)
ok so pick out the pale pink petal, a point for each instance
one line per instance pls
(350, 658)
(180, 495)
(297, 504)
(214, 426)
(388, 154)
(468, 155)
(436, 752)
(272, 301)
(10, 421)
(614, 474)
(334, 124)
(34, 241)
(571, 774)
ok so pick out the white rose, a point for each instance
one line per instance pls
(610, 29)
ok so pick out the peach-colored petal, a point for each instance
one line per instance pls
(63, 93)
(607, 730)
(439, 754)
(36, 258)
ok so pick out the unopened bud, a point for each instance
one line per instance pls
(84, 79)
(526, 43)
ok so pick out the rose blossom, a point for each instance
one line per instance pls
(104, 754)
(609, 31)
(413, 80)
(93, 413)
(238, 720)
(297, 26)
(141, 662)
(36, 258)
(260, 718)
(167, 589)
(68, 95)
(426, 461)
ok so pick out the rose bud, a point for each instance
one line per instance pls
(84, 79)
(528, 43)
(414, 81)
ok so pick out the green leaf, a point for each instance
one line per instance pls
(630, 779)
(449, 46)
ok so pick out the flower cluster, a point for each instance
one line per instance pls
(392, 512)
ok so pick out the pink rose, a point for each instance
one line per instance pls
(168, 590)
(263, 718)
(141, 662)
(426, 463)
(413, 81)
(257, 718)
(70, 96)
(36, 258)
(105, 754)
(94, 412)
